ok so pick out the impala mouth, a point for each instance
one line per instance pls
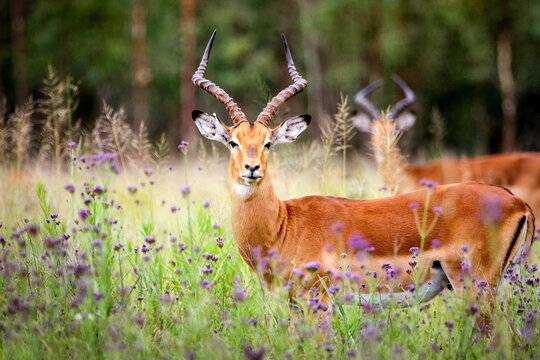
(251, 178)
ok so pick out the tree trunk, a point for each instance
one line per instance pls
(316, 100)
(141, 72)
(188, 95)
(508, 91)
(18, 43)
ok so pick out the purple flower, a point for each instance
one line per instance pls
(428, 184)
(206, 203)
(312, 266)
(84, 214)
(240, 294)
(358, 243)
(464, 248)
(54, 216)
(205, 284)
(150, 239)
(383, 188)
(437, 209)
(298, 272)
(118, 246)
(96, 243)
(254, 354)
(183, 144)
(413, 205)
(132, 189)
(219, 242)
(186, 190)
(70, 188)
(147, 172)
(98, 189)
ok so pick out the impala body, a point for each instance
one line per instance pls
(519, 172)
(321, 228)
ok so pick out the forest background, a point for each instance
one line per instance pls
(473, 64)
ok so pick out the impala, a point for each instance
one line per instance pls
(519, 172)
(319, 229)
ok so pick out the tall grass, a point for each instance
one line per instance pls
(142, 264)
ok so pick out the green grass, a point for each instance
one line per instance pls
(94, 293)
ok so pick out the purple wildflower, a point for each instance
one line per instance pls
(437, 209)
(358, 243)
(254, 354)
(240, 294)
(150, 239)
(219, 242)
(84, 214)
(96, 243)
(206, 203)
(186, 190)
(298, 272)
(183, 144)
(70, 188)
(312, 266)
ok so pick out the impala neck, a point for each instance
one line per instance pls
(256, 217)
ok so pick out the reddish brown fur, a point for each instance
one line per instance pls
(519, 172)
(300, 230)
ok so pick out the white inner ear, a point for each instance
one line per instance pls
(289, 130)
(362, 122)
(405, 121)
(211, 128)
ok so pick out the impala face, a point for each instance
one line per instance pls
(249, 143)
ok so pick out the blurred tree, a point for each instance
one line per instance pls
(141, 72)
(18, 45)
(188, 97)
(471, 61)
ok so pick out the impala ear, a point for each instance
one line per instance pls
(405, 121)
(362, 122)
(290, 129)
(211, 127)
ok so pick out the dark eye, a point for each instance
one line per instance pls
(268, 145)
(233, 144)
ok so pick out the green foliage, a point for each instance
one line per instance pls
(127, 281)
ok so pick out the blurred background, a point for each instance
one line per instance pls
(473, 64)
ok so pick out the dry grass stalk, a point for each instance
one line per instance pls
(384, 144)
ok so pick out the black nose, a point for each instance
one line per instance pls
(254, 168)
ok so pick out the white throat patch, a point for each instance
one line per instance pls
(243, 190)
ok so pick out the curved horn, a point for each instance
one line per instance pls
(198, 79)
(403, 103)
(361, 99)
(299, 84)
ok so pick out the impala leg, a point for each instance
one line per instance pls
(425, 293)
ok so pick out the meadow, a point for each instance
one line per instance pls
(114, 247)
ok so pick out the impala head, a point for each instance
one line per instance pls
(249, 143)
(397, 114)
